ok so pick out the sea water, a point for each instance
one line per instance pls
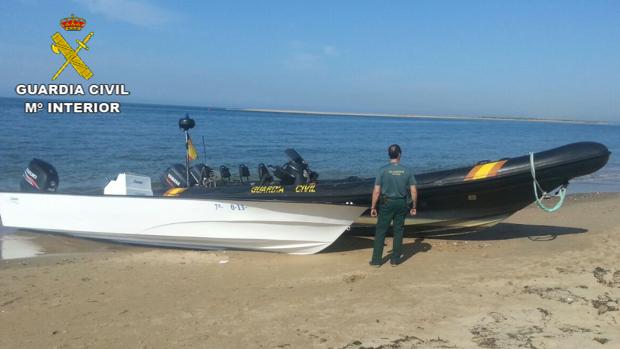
(88, 150)
(14, 246)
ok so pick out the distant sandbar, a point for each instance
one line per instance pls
(413, 116)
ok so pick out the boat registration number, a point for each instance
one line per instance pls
(230, 207)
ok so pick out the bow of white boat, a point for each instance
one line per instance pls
(296, 228)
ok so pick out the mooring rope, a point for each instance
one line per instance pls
(539, 200)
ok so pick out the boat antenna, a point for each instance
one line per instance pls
(186, 124)
(204, 149)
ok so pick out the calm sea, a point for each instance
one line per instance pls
(145, 139)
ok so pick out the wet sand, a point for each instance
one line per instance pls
(538, 280)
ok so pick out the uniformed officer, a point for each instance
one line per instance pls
(394, 183)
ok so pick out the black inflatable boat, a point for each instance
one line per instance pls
(489, 192)
(478, 195)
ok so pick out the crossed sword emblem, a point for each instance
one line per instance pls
(61, 45)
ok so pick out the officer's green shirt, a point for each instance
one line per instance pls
(395, 180)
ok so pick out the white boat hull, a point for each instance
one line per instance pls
(420, 224)
(296, 228)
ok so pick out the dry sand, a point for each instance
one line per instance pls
(537, 280)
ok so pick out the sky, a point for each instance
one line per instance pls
(550, 59)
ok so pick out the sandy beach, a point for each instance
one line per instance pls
(537, 280)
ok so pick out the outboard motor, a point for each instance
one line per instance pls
(263, 174)
(175, 177)
(201, 174)
(224, 172)
(244, 172)
(39, 176)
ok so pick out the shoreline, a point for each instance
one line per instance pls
(415, 116)
(329, 113)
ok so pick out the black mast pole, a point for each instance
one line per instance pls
(204, 149)
(186, 124)
(187, 157)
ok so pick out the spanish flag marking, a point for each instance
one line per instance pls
(485, 170)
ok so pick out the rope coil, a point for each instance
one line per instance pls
(545, 195)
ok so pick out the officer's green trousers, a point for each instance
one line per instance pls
(390, 210)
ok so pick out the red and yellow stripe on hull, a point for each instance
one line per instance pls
(487, 170)
(174, 191)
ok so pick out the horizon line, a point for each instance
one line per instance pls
(334, 113)
(419, 116)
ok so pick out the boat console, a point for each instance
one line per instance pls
(129, 184)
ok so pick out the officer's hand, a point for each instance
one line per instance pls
(373, 212)
(412, 212)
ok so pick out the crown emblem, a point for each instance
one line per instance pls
(72, 23)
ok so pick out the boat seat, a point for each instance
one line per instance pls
(225, 173)
(263, 174)
(200, 174)
(244, 172)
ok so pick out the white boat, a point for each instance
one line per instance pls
(295, 228)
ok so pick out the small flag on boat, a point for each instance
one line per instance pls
(192, 154)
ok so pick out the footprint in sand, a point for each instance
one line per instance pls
(605, 304)
(606, 277)
(556, 294)
(519, 329)
(353, 278)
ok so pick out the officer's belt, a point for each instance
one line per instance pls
(386, 199)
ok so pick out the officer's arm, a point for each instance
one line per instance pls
(414, 195)
(375, 196)
(414, 198)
